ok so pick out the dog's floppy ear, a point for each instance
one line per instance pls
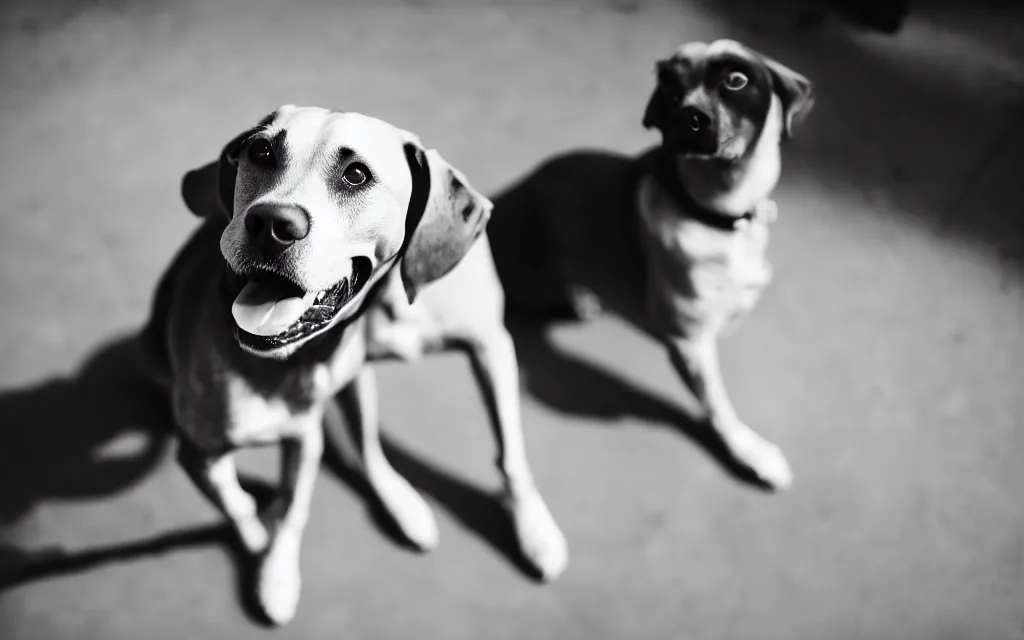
(795, 91)
(210, 189)
(446, 216)
(658, 107)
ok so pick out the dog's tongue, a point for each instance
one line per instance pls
(268, 307)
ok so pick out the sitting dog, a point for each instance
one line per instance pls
(311, 217)
(674, 240)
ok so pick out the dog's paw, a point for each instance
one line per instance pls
(585, 303)
(408, 509)
(763, 458)
(767, 211)
(278, 582)
(541, 542)
(254, 535)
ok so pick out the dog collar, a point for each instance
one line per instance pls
(725, 222)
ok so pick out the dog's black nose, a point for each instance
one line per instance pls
(276, 226)
(695, 119)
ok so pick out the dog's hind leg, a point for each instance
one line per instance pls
(696, 361)
(405, 506)
(540, 540)
(279, 582)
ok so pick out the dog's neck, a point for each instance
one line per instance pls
(735, 187)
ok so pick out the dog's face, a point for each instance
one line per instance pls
(714, 100)
(321, 205)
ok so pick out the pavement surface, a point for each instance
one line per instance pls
(887, 359)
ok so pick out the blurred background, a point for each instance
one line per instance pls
(887, 358)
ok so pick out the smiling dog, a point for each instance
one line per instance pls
(673, 241)
(316, 221)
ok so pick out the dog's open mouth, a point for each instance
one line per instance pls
(271, 311)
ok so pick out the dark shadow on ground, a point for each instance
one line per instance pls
(22, 567)
(569, 384)
(19, 567)
(54, 433)
(477, 510)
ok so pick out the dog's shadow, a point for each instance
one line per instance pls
(570, 385)
(63, 440)
(55, 433)
(477, 510)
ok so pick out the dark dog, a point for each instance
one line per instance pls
(316, 221)
(674, 240)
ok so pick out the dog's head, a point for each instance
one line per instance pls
(715, 100)
(320, 206)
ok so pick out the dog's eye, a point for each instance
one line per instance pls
(356, 174)
(735, 81)
(261, 152)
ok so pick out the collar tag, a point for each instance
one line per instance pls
(766, 211)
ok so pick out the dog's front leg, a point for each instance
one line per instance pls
(696, 361)
(541, 541)
(217, 479)
(405, 506)
(278, 581)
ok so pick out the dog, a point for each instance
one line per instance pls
(315, 222)
(673, 240)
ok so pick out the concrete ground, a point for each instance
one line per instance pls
(887, 359)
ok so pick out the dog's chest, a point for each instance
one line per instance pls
(258, 418)
(226, 399)
(738, 254)
(697, 269)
